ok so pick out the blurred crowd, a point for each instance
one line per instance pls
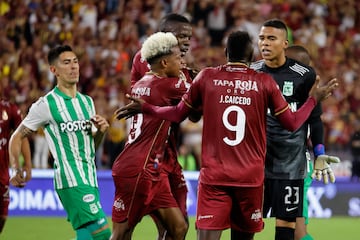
(106, 34)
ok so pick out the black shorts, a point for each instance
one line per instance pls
(283, 198)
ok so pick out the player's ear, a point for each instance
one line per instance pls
(52, 69)
(286, 44)
(163, 62)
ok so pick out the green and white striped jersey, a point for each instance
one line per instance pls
(68, 130)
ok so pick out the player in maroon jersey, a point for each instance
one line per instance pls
(234, 99)
(141, 188)
(10, 118)
(181, 28)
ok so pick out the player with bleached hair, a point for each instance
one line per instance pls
(159, 44)
(141, 186)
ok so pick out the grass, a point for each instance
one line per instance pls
(57, 228)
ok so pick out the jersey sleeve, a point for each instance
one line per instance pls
(38, 116)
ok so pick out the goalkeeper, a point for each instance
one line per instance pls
(286, 160)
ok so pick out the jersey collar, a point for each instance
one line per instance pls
(63, 95)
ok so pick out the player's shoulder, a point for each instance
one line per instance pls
(299, 68)
(258, 70)
(84, 95)
(139, 59)
(258, 65)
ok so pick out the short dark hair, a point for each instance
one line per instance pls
(55, 52)
(299, 53)
(169, 19)
(239, 47)
(276, 23)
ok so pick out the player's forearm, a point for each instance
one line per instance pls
(171, 113)
(317, 132)
(15, 147)
(25, 150)
(293, 120)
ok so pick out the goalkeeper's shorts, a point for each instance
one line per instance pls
(283, 198)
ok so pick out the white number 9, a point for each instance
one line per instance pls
(238, 128)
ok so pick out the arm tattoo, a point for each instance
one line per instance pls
(24, 131)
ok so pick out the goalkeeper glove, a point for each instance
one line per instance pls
(322, 165)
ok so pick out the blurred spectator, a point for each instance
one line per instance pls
(187, 160)
(191, 139)
(216, 22)
(116, 138)
(41, 150)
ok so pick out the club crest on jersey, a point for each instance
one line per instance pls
(288, 88)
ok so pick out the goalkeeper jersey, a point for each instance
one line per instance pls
(286, 151)
(68, 131)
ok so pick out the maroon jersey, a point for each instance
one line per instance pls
(235, 100)
(148, 135)
(10, 118)
(138, 70)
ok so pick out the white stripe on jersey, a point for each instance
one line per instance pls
(299, 69)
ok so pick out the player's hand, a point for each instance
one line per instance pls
(18, 180)
(131, 109)
(322, 92)
(100, 123)
(322, 168)
(195, 115)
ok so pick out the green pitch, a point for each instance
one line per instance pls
(41, 228)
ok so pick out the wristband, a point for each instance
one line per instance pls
(319, 149)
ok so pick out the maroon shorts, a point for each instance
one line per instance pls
(4, 200)
(223, 207)
(138, 196)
